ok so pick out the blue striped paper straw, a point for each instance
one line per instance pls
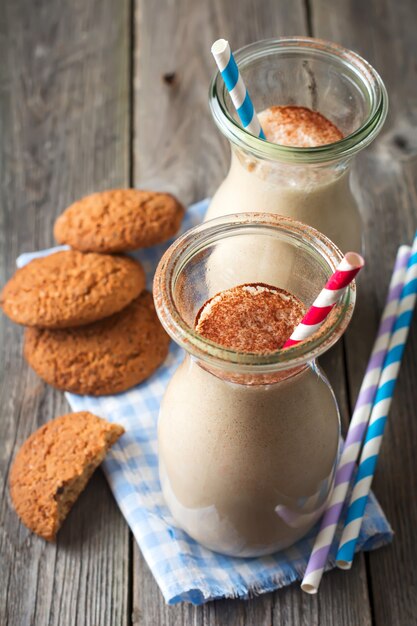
(236, 87)
(357, 428)
(379, 414)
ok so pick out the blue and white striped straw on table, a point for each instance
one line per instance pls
(236, 87)
(379, 414)
(357, 428)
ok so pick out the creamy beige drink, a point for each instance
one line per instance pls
(248, 431)
(334, 105)
(246, 468)
(251, 466)
(319, 196)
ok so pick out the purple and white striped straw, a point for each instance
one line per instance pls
(357, 428)
(379, 416)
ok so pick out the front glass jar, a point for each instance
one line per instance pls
(247, 442)
(310, 184)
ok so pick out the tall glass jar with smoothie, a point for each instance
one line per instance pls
(319, 104)
(248, 432)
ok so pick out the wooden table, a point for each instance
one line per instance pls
(103, 93)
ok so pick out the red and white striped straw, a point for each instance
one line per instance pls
(327, 298)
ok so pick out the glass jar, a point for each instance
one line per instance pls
(247, 442)
(311, 185)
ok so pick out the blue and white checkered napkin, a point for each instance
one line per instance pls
(183, 569)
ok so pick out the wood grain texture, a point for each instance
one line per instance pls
(386, 174)
(176, 144)
(65, 129)
(64, 101)
(178, 148)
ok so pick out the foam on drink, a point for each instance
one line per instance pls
(318, 195)
(254, 317)
(298, 126)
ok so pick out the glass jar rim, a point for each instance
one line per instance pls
(346, 147)
(195, 240)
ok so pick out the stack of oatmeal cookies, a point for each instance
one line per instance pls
(91, 325)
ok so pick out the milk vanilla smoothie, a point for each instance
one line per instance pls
(319, 104)
(321, 197)
(236, 482)
(248, 433)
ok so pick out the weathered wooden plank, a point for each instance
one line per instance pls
(178, 148)
(177, 145)
(384, 33)
(64, 109)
